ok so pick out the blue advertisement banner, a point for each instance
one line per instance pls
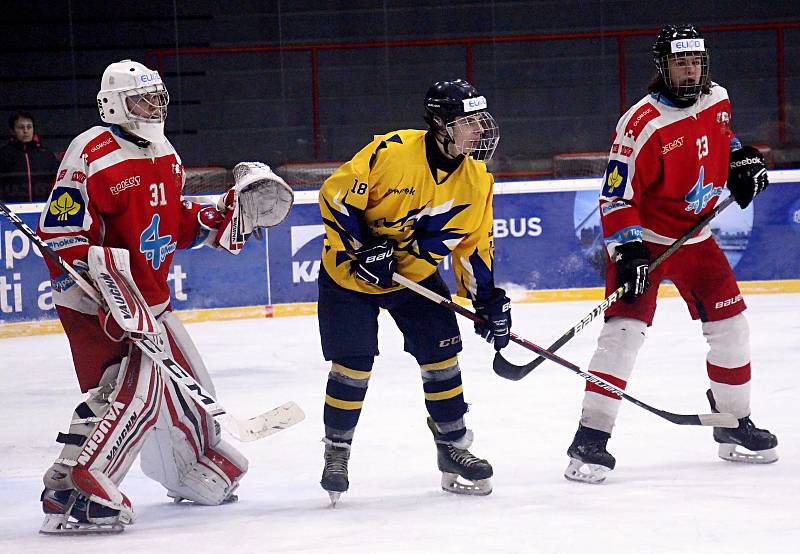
(543, 240)
(199, 278)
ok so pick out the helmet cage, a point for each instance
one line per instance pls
(481, 148)
(684, 91)
(147, 104)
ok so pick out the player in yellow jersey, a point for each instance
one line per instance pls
(402, 204)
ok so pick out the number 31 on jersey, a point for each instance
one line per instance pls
(158, 197)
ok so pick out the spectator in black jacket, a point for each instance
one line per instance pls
(27, 169)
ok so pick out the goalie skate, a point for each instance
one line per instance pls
(67, 512)
(746, 443)
(462, 472)
(589, 461)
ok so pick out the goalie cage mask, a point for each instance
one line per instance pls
(134, 97)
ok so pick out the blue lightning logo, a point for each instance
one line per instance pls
(701, 194)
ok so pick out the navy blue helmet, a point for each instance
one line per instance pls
(456, 108)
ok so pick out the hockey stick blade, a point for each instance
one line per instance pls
(244, 430)
(691, 419)
(719, 420)
(513, 372)
(268, 423)
(705, 420)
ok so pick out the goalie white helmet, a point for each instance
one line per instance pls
(133, 96)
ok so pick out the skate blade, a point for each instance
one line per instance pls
(60, 524)
(334, 495)
(737, 453)
(593, 474)
(451, 482)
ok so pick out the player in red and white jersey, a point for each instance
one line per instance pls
(120, 186)
(672, 155)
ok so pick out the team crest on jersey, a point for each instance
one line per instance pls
(153, 245)
(724, 120)
(616, 177)
(701, 194)
(66, 210)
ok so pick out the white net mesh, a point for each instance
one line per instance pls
(307, 175)
(207, 180)
(580, 164)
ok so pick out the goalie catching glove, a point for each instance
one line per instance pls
(259, 198)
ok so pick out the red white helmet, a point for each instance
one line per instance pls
(133, 97)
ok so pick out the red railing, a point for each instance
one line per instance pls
(155, 58)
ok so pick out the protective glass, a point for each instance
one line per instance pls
(475, 135)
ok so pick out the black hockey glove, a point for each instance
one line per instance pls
(633, 265)
(375, 264)
(747, 175)
(497, 313)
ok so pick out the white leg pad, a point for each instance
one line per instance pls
(59, 477)
(729, 347)
(617, 348)
(104, 438)
(169, 458)
(728, 341)
(732, 399)
(185, 453)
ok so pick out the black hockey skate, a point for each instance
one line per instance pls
(747, 443)
(454, 461)
(67, 512)
(334, 475)
(589, 460)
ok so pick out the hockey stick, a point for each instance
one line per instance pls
(244, 430)
(714, 420)
(513, 372)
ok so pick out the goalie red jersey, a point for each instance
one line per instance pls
(666, 169)
(110, 191)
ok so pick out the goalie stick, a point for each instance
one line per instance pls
(513, 372)
(245, 430)
(713, 420)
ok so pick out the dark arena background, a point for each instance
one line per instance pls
(305, 82)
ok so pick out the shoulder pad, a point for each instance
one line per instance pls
(638, 120)
(100, 145)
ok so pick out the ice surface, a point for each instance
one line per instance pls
(669, 493)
